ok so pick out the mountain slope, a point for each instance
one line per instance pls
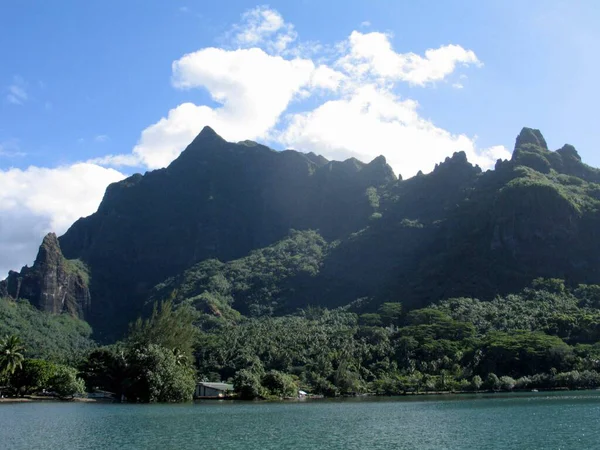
(455, 232)
(213, 229)
(216, 200)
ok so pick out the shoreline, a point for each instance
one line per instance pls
(41, 399)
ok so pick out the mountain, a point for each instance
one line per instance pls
(215, 229)
(55, 284)
(216, 200)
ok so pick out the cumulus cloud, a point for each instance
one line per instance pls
(37, 200)
(370, 122)
(252, 87)
(354, 99)
(371, 54)
(337, 99)
(263, 26)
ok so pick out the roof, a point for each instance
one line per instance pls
(217, 386)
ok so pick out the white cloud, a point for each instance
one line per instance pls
(327, 78)
(354, 110)
(37, 200)
(252, 87)
(263, 26)
(487, 157)
(63, 194)
(371, 54)
(129, 160)
(365, 24)
(371, 121)
(346, 102)
(17, 93)
(101, 138)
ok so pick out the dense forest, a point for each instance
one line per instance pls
(280, 271)
(545, 337)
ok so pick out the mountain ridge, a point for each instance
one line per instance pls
(455, 231)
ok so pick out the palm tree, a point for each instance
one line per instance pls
(11, 356)
(180, 357)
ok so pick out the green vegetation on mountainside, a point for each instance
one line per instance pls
(258, 284)
(59, 338)
(545, 337)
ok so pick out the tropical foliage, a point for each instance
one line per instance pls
(543, 337)
(58, 338)
(153, 364)
(11, 355)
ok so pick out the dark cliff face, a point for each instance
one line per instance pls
(455, 232)
(216, 200)
(53, 284)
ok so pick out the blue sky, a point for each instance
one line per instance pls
(80, 81)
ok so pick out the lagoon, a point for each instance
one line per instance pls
(558, 420)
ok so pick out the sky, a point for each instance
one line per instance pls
(92, 92)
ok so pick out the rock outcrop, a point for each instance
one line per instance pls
(53, 284)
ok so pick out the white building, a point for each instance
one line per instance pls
(212, 390)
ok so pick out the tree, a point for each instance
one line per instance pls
(492, 382)
(169, 327)
(507, 383)
(11, 355)
(65, 383)
(108, 369)
(247, 385)
(158, 376)
(476, 383)
(279, 384)
(370, 319)
(391, 313)
(33, 375)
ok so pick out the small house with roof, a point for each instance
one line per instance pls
(212, 390)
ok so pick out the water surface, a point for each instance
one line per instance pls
(531, 421)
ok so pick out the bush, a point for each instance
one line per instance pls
(476, 383)
(34, 375)
(158, 376)
(523, 383)
(492, 382)
(279, 384)
(247, 385)
(507, 383)
(65, 383)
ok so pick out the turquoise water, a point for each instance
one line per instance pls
(532, 421)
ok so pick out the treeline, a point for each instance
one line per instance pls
(21, 376)
(545, 337)
(153, 364)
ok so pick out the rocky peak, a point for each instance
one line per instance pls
(207, 134)
(53, 284)
(532, 151)
(378, 172)
(568, 151)
(319, 160)
(458, 163)
(49, 252)
(530, 136)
